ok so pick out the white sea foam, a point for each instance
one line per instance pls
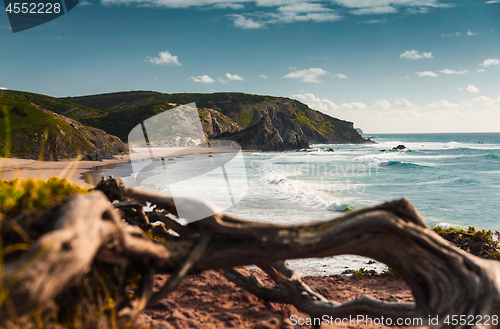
(304, 193)
(432, 146)
(439, 181)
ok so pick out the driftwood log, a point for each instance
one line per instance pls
(110, 226)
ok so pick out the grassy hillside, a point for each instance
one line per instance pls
(58, 105)
(122, 100)
(120, 122)
(30, 131)
(24, 126)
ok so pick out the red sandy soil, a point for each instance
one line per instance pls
(208, 300)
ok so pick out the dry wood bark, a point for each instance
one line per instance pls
(444, 279)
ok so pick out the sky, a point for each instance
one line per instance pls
(389, 66)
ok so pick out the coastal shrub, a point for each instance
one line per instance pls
(484, 243)
(26, 209)
(17, 196)
(363, 273)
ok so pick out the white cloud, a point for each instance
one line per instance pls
(443, 104)
(414, 54)
(85, 3)
(478, 114)
(493, 1)
(309, 75)
(448, 71)
(2, 88)
(472, 89)
(448, 35)
(246, 23)
(480, 70)
(165, 58)
(382, 104)
(395, 3)
(228, 5)
(374, 10)
(403, 103)
(289, 11)
(353, 106)
(203, 79)
(489, 62)
(234, 77)
(303, 7)
(426, 74)
(286, 12)
(471, 34)
(316, 103)
(264, 76)
(483, 102)
(341, 76)
(374, 21)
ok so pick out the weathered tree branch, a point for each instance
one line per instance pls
(444, 279)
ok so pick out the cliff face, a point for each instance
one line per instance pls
(215, 123)
(97, 144)
(39, 133)
(265, 136)
(296, 125)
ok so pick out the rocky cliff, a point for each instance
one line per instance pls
(278, 124)
(29, 131)
(215, 123)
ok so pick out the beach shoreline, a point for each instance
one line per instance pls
(78, 172)
(72, 170)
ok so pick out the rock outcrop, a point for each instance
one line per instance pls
(215, 123)
(265, 136)
(296, 124)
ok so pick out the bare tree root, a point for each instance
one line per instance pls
(444, 279)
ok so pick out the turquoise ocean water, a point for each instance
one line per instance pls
(452, 179)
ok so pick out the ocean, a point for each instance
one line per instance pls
(452, 179)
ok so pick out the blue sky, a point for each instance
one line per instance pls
(387, 65)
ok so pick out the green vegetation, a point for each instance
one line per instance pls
(24, 127)
(484, 244)
(26, 209)
(29, 195)
(363, 273)
(121, 122)
(346, 208)
(316, 122)
(58, 105)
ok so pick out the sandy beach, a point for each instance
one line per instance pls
(72, 170)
